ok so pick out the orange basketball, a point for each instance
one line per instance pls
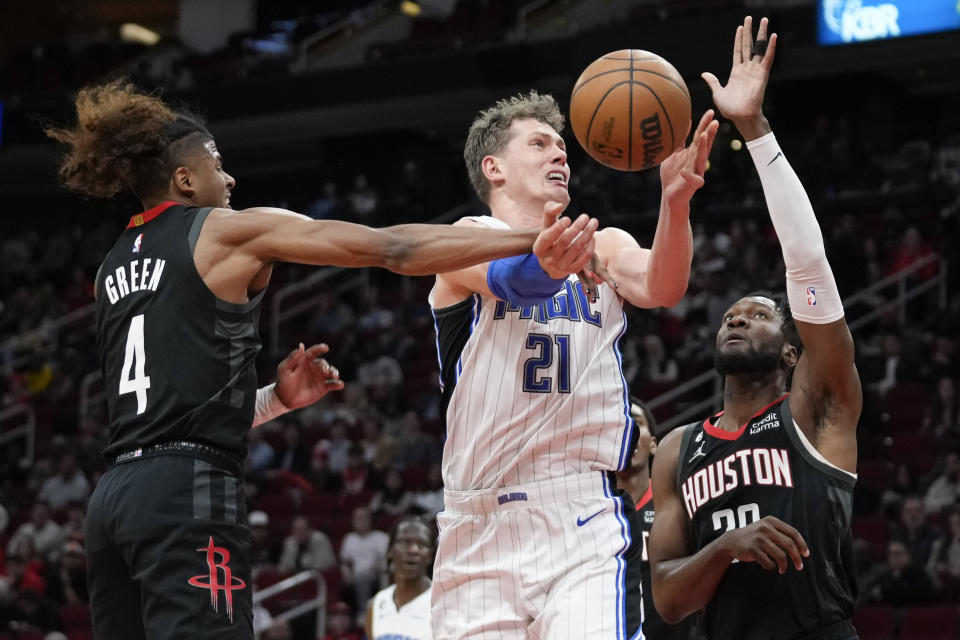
(630, 109)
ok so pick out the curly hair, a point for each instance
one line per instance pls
(488, 132)
(124, 140)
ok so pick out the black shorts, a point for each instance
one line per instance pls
(168, 552)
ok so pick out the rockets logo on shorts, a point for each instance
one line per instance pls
(811, 296)
(136, 243)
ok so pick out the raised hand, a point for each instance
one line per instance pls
(682, 173)
(742, 97)
(303, 377)
(564, 247)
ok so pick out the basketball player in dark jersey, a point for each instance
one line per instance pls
(178, 300)
(635, 480)
(754, 503)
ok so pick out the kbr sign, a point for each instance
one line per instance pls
(844, 21)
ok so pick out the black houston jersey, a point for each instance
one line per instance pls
(177, 362)
(654, 628)
(727, 480)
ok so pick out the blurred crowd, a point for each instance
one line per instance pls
(326, 483)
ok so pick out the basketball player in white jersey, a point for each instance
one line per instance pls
(533, 539)
(402, 610)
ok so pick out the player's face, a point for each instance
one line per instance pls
(646, 443)
(211, 184)
(411, 551)
(534, 163)
(750, 339)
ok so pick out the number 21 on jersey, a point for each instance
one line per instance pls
(134, 362)
(534, 380)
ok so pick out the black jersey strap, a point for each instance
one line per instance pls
(195, 228)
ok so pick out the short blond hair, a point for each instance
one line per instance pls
(488, 133)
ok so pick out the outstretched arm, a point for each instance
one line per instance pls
(413, 249)
(826, 396)
(658, 276)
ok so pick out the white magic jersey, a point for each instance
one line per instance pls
(410, 622)
(531, 393)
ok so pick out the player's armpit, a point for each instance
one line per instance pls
(826, 398)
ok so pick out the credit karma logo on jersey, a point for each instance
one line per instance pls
(844, 21)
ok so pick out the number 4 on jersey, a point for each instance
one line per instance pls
(135, 353)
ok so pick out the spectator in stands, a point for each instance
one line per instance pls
(943, 358)
(945, 489)
(363, 557)
(414, 447)
(378, 448)
(356, 475)
(327, 206)
(914, 531)
(904, 484)
(73, 525)
(339, 445)
(68, 583)
(868, 569)
(912, 249)
(393, 499)
(260, 453)
(263, 551)
(20, 574)
(331, 316)
(69, 485)
(45, 534)
(306, 549)
(341, 624)
(321, 477)
(429, 502)
(362, 200)
(902, 582)
(944, 413)
(292, 455)
(897, 364)
(657, 365)
(32, 612)
(944, 563)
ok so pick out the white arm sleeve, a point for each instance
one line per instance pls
(811, 287)
(268, 406)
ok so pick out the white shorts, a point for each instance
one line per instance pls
(552, 559)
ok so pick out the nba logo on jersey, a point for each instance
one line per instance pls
(811, 295)
(136, 243)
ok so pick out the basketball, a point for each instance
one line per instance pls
(630, 109)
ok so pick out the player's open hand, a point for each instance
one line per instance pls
(769, 541)
(682, 173)
(564, 247)
(303, 377)
(742, 97)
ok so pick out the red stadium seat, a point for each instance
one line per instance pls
(874, 530)
(906, 406)
(76, 617)
(874, 622)
(931, 622)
